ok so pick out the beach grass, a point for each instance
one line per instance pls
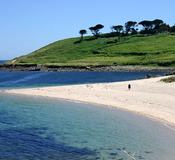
(169, 79)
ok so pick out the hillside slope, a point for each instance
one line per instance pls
(157, 50)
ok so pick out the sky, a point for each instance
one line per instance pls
(27, 25)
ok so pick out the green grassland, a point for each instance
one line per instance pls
(155, 50)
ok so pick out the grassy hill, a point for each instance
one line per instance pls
(156, 50)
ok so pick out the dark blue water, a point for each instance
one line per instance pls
(2, 61)
(32, 79)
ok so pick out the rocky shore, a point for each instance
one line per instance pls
(54, 68)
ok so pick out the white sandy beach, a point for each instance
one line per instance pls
(149, 97)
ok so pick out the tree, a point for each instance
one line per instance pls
(130, 26)
(154, 26)
(148, 25)
(157, 23)
(96, 30)
(118, 29)
(172, 29)
(164, 28)
(82, 32)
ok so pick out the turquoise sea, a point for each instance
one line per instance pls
(33, 128)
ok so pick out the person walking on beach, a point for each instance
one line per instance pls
(129, 87)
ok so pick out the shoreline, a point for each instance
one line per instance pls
(99, 68)
(167, 124)
(148, 97)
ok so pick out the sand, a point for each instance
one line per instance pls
(149, 97)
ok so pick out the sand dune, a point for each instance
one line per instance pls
(149, 97)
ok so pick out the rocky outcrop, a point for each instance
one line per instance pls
(100, 68)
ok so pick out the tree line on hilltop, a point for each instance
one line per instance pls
(131, 28)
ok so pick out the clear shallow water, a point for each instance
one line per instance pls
(41, 128)
(32, 79)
